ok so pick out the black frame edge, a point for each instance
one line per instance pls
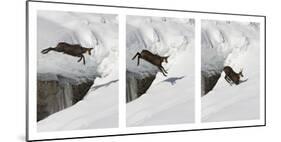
(145, 8)
(27, 69)
(264, 70)
(147, 133)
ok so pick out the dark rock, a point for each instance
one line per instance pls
(208, 82)
(137, 85)
(80, 90)
(55, 93)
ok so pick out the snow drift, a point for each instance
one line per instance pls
(169, 100)
(235, 44)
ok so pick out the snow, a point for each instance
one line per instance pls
(99, 108)
(235, 44)
(169, 100)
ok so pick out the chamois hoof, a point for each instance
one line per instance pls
(43, 52)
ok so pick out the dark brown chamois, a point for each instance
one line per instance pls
(231, 76)
(153, 59)
(75, 50)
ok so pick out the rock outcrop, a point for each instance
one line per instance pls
(208, 82)
(137, 85)
(56, 92)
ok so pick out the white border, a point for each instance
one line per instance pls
(122, 12)
(122, 71)
(197, 70)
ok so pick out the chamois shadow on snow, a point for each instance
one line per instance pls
(104, 85)
(173, 80)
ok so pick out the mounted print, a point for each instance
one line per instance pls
(101, 70)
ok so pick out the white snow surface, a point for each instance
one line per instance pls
(98, 31)
(99, 108)
(169, 100)
(235, 44)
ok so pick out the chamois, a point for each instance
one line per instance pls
(231, 76)
(75, 50)
(153, 59)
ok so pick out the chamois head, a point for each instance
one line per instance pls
(165, 59)
(89, 50)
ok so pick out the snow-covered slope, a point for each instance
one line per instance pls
(99, 108)
(169, 100)
(234, 44)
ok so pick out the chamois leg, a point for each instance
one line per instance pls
(137, 54)
(84, 62)
(45, 51)
(80, 59)
(162, 71)
(230, 81)
(139, 59)
(227, 79)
